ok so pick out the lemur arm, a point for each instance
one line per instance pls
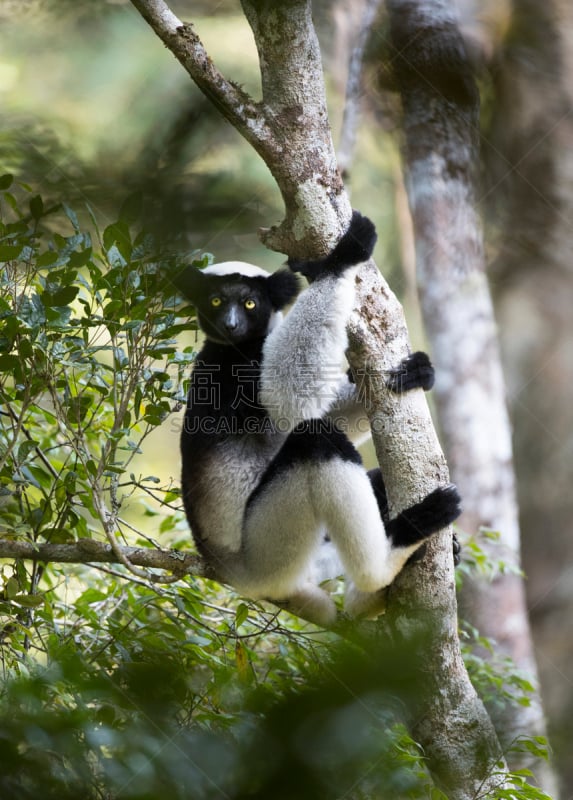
(349, 408)
(303, 359)
(349, 413)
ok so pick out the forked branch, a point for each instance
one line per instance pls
(231, 100)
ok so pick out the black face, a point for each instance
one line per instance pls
(233, 309)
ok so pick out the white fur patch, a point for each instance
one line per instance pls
(303, 359)
(345, 503)
(226, 268)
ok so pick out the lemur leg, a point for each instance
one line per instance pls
(379, 489)
(407, 534)
(280, 533)
(417, 523)
(316, 481)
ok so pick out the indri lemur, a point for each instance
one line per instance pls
(271, 483)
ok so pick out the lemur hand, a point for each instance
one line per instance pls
(355, 246)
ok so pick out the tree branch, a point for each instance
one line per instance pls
(88, 551)
(289, 129)
(236, 105)
(180, 564)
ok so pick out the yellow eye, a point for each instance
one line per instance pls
(250, 304)
(216, 302)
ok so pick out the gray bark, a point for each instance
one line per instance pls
(290, 130)
(529, 203)
(440, 109)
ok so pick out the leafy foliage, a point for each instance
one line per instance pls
(89, 367)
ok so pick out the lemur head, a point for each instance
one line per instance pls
(237, 302)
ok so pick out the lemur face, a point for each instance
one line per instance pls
(237, 302)
(233, 310)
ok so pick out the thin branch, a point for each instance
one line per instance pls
(181, 565)
(234, 103)
(86, 551)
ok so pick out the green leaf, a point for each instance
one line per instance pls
(9, 363)
(25, 449)
(241, 614)
(47, 259)
(60, 297)
(29, 600)
(37, 207)
(71, 215)
(117, 234)
(32, 311)
(115, 257)
(78, 407)
(58, 316)
(9, 252)
(11, 588)
(42, 477)
(12, 202)
(80, 258)
(6, 181)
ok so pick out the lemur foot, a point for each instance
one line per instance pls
(415, 372)
(432, 514)
(355, 246)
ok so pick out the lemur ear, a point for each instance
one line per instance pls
(282, 287)
(190, 281)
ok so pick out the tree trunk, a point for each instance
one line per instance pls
(529, 160)
(440, 112)
(289, 128)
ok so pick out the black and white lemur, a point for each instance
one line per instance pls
(271, 483)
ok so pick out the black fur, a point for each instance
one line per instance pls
(392, 529)
(282, 287)
(456, 549)
(231, 322)
(379, 489)
(188, 280)
(355, 246)
(436, 511)
(415, 372)
(222, 398)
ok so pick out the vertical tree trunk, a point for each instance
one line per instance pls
(529, 160)
(440, 110)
